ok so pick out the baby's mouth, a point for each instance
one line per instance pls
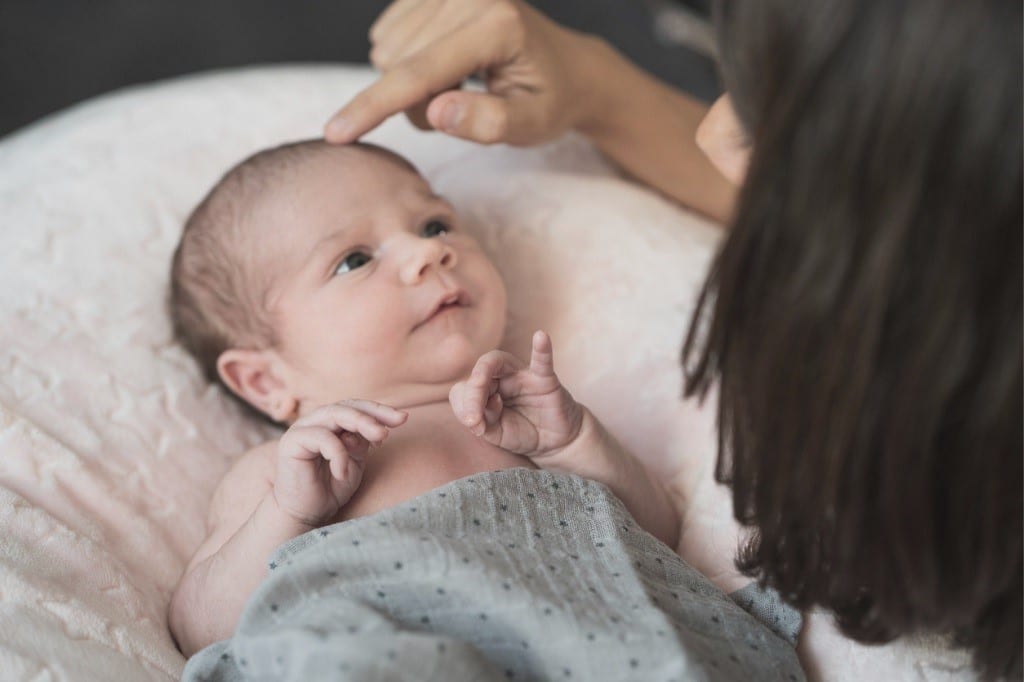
(451, 300)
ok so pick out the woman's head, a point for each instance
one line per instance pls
(863, 319)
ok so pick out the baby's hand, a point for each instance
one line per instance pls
(524, 410)
(320, 459)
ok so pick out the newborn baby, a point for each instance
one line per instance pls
(332, 291)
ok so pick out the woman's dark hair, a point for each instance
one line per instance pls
(862, 322)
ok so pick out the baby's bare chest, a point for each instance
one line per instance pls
(413, 462)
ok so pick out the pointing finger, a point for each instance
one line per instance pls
(542, 361)
(436, 68)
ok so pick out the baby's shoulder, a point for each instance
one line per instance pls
(257, 462)
(249, 478)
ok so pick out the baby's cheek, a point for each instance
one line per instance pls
(498, 310)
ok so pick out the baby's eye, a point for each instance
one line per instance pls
(435, 228)
(356, 259)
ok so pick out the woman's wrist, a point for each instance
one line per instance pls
(646, 127)
(598, 72)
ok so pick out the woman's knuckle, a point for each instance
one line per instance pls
(379, 56)
(506, 16)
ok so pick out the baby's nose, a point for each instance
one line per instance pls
(427, 254)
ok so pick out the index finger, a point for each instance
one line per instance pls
(542, 362)
(438, 67)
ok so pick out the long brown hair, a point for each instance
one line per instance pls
(863, 319)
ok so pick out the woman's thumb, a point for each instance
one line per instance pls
(475, 116)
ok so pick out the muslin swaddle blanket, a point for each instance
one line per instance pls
(515, 574)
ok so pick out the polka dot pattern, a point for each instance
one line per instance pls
(516, 574)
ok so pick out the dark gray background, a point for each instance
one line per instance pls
(54, 53)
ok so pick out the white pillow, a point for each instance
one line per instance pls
(110, 442)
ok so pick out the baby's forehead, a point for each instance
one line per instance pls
(362, 159)
(331, 185)
(347, 175)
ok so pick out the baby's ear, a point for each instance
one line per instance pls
(251, 375)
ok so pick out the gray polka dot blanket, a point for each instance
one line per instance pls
(517, 574)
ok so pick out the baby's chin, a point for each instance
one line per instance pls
(402, 396)
(426, 376)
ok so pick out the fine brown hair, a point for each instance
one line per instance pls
(862, 322)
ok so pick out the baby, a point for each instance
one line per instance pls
(332, 291)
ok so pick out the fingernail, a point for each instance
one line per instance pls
(451, 115)
(338, 128)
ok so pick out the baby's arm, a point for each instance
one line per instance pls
(526, 410)
(595, 454)
(245, 525)
(276, 492)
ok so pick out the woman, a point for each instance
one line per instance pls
(863, 319)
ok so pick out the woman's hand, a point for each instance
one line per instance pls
(524, 410)
(532, 67)
(542, 79)
(321, 457)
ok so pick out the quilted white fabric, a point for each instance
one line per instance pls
(110, 442)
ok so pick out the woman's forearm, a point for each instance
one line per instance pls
(649, 129)
(209, 598)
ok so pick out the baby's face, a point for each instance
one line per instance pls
(376, 290)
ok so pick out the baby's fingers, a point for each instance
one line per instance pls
(355, 445)
(311, 442)
(477, 411)
(493, 408)
(467, 408)
(365, 417)
(494, 365)
(542, 360)
(337, 470)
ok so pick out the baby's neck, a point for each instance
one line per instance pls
(435, 412)
(415, 397)
(422, 403)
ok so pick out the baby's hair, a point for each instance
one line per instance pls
(215, 302)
